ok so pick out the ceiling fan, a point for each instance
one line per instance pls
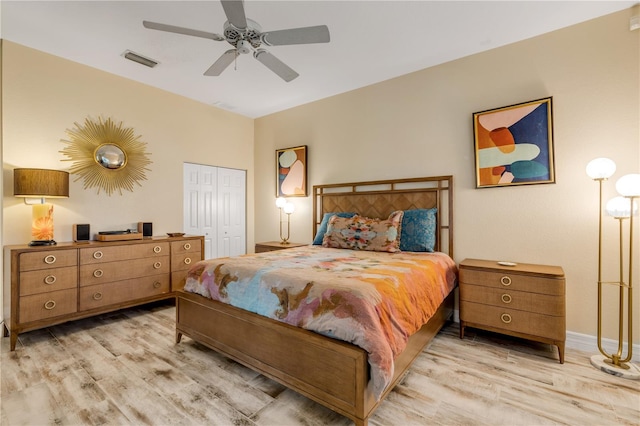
(246, 36)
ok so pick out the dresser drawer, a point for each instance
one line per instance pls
(96, 296)
(118, 271)
(520, 300)
(513, 281)
(184, 261)
(48, 305)
(45, 280)
(48, 259)
(92, 255)
(187, 246)
(534, 324)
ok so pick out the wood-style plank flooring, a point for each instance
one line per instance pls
(124, 368)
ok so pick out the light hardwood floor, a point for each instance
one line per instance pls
(124, 368)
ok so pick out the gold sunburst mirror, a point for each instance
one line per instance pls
(107, 156)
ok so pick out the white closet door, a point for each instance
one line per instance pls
(200, 204)
(232, 212)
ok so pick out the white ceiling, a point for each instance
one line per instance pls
(371, 41)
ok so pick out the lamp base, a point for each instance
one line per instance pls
(42, 243)
(600, 362)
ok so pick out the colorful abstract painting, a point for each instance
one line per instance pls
(291, 172)
(514, 145)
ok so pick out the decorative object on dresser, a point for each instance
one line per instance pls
(44, 286)
(275, 245)
(283, 205)
(291, 172)
(36, 185)
(517, 299)
(146, 228)
(514, 144)
(620, 208)
(106, 156)
(81, 232)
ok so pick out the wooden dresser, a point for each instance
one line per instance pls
(523, 300)
(276, 245)
(50, 285)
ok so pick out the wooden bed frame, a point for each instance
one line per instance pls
(330, 372)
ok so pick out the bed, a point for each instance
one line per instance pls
(342, 376)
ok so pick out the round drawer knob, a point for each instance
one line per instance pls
(50, 279)
(98, 273)
(506, 298)
(187, 261)
(156, 284)
(157, 249)
(157, 265)
(506, 318)
(49, 304)
(98, 254)
(187, 246)
(505, 280)
(49, 260)
(97, 296)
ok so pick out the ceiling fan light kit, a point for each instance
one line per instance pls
(246, 36)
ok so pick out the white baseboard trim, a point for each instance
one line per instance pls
(585, 342)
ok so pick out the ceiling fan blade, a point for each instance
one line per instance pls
(222, 63)
(304, 35)
(234, 9)
(275, 65)
(181, 30)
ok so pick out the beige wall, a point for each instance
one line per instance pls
(420, 125)
(44, 95)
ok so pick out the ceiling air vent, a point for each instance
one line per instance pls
(135, 57)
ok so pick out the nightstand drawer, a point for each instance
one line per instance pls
(552, 327)
(513, 281)
(518, 300)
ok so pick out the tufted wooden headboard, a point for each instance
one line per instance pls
(381, 198)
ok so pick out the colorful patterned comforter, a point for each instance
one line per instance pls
(370, 299)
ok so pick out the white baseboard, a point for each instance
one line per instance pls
(585, 342)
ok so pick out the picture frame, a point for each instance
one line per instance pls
(291, 172)
(513, 145)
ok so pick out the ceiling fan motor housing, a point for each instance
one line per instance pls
(241, 38)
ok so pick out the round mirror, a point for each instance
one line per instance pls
(110, 156)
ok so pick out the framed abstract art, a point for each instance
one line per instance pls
(513, 145)
(291, 172)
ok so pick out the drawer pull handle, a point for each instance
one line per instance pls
(505, 281)
(506, 318)
(157, 265)
(157, 249)
(156, 284)
(49, 260)
(187, 261)
(187, 246)
(98, 255)
(98, 273)
(50, 279)
(49, 304)
(506, 298)
(97, 296)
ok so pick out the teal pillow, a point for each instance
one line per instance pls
(418, 232)
(317, 241)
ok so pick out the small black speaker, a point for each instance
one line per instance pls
(146, 228)
(81, 233)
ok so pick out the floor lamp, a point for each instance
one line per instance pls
(621, 208)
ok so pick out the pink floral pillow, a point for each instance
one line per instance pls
(363, 233)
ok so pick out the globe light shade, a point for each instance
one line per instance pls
(620, 207)
(289, 208)
(280, 202)
(629, 185)
(601, 168)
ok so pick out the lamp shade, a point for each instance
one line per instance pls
(601, 168)
(289, 208)
(280, 202)
(629, 185)
(621, 207)
(40, 183)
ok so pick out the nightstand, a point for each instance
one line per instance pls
(276, 245)
(521, 300)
